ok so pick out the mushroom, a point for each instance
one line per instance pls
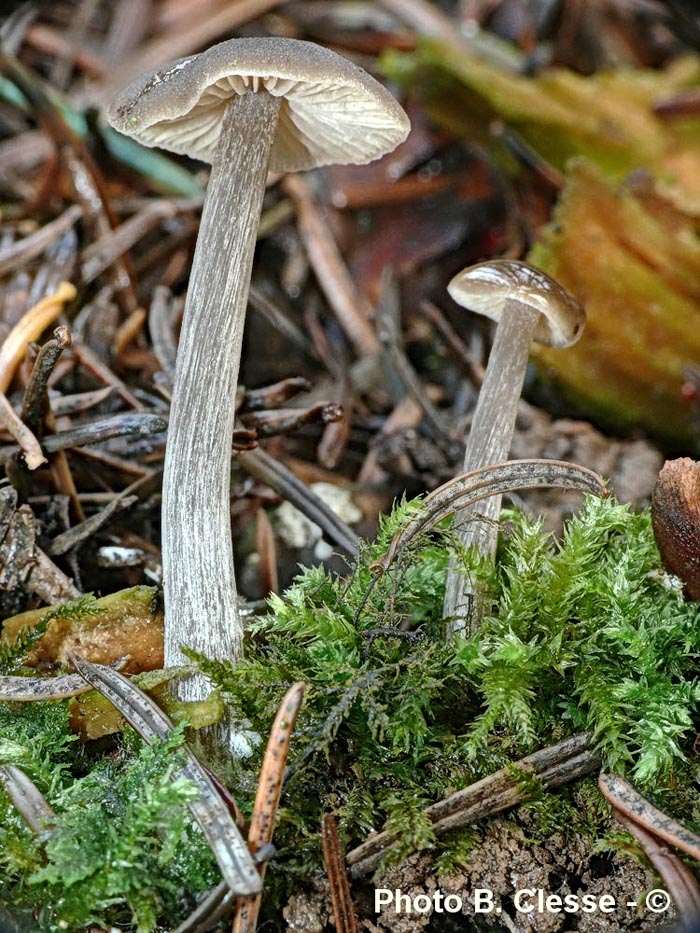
(527, 305)
(244, 105)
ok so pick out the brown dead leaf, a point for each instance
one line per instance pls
(129, 623)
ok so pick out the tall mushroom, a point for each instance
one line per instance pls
(527, 305)
(244, 105)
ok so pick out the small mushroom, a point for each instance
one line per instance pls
(244, 105)
(527, 305)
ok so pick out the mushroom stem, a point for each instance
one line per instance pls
(201, 605)
(489, 443)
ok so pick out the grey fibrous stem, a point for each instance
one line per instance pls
(489, 443)
(201, 608)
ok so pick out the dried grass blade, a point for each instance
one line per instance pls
(29, 689)
(267, 798)
(631, 804)
(679, 880)
(26, 798)
(468, 488)
(209, 810)
(350, 307)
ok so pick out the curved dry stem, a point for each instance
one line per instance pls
(631, 804)
(490, 481)
(678, 879)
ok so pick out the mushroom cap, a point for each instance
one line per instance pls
(332, 111)
(486, 287)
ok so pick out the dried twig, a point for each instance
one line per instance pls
(94, 365)
(36, 400)
(272, 396)
(71, 538)
(553, 766)
(87, 181)
(286, 420)
(160, 324)
(100, 255)
(275, 474)
(390, 337)
(21, 561)
(27, 442)
(341, 899)
(23, 251)
(81, 401)
(175, 44)
(265, 307)
(427, 19)
(129, 425)
(267, 552)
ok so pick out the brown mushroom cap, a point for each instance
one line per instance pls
(485, 288)
(332, 111)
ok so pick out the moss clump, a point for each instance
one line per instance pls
(585, 634)
(123, 851)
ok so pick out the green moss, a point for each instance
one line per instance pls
(585, 633)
